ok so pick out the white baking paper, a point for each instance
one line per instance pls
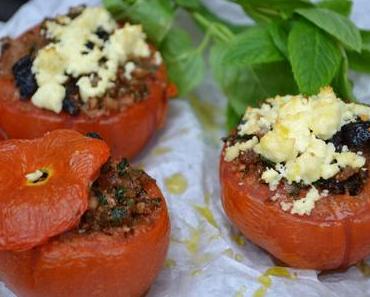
(207, 257)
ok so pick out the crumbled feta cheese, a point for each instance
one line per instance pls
(34, 176)
(304, 206)
(49, 96)
(276, 147)
(158, 58)
(326, 117)
(69, 54)
(129, 68)
(294, 133)
(271, 177)
(232, 152)
(285, 206)
(350, 159)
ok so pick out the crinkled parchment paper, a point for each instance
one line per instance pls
(208, 257)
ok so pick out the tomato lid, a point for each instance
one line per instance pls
(44, 185)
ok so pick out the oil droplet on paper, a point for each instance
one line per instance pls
(192, 244)
(176, 184)
(238, 239)
(266, 281)
(170, 263)
(162, 150)
(207, 214)
(364, 268)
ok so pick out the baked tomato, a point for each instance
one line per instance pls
(294, 178)
(117, 247)
(334, 236)
(126, 115)
(2, 135)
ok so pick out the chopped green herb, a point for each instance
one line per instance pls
(122, 166)
(156, 201)
(117, 215)
(130, 202)
(101, 198)
(119, 193)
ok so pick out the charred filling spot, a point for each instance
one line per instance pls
(118, 199)
(124, 93)
(356, 136)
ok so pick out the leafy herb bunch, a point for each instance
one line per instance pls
(294, 46)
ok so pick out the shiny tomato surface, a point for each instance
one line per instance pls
(96, 264)
(71, 263)
(31, 211)
(335, 235)
(125, 132)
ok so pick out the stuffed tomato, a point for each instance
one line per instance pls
(75, 223)
(294, 178)
(84, 71)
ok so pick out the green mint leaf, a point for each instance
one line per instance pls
(184, 62)
(248, 86)
(156, 16)
(279, 36)
(341, 83)
(192, 4)
(232, 117)
(361, 61)
(254, 46)
(314, 56)
(365, 35)
(335, 24)
(270, 10)
(343, 7)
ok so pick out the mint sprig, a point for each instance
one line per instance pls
(295, 46)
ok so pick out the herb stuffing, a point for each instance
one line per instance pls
(294, 46)
(119, 199)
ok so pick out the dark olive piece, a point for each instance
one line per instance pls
(24, 78)
(90, 45)
(354, 135)
(71, 103)
(102, 34)
(71, 107)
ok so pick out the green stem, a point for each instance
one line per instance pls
(219, 31)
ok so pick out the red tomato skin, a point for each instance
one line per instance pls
(335, 235)
(95, 265)
(126, 132)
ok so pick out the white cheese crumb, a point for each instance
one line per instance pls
(285, 206)
(70, 55)
(271, 177)
(158, 58)
(350, 159)
(304, 206)
(129, 68)
(34, 176)
(232, 152)
(49, 96)
(276, 147)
